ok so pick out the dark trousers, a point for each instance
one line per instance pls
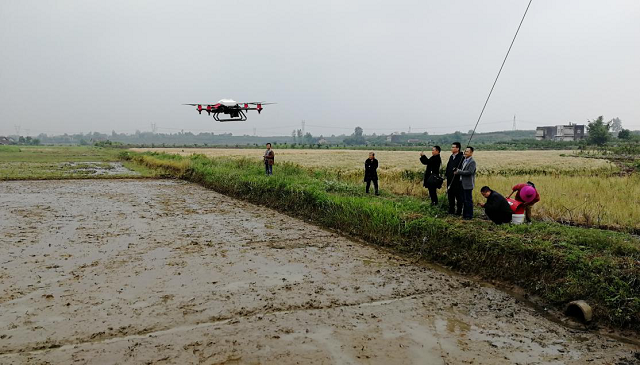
(433, 194)
(375, 185)
(467, 212)
(454, 194)
(268, 168)
(498, 218)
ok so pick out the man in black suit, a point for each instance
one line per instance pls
(454, 184)
(497, 207)
(370, 173)
(433, 168)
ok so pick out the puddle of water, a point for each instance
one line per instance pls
(98, 168)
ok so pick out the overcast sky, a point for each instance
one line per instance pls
(80, 66)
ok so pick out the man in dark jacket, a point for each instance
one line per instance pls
(433, 168)
(497, 207)
(370, 173)
(454, 184)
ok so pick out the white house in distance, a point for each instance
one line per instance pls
(568, 132)
(6, 140)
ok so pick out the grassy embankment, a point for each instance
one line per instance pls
(54, 162)
(578, 190)
(556, 262)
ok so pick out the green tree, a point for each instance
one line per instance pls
(624, 134)
(356, 138)
(308, 138)
(598, 131)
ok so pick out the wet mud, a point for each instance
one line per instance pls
(167, 272)
(98, 168)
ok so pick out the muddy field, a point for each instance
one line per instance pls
(166, 272)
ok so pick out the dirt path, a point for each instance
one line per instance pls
(165, 272)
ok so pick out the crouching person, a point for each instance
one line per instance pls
(528, 196)
(497, 208)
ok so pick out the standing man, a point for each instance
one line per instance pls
(370, 173)
(269, 158)
(454, 186)
(433, 168)
(468, 178)
(497, 207)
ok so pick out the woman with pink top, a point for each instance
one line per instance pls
(528, 195)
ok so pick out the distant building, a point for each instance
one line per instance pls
(568, 132)
(6, 140)
(322, 141)
(415, 140)
(393, 137)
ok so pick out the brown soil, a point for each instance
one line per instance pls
(166, 272)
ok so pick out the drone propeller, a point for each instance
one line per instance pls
(259, 102)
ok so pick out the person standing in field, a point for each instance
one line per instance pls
(371, 173)
(528, 195)
(433, 168)
(468, 179)
(269, 158)
(454, 185)
(497, 208)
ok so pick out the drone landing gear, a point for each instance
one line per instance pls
(241, 117)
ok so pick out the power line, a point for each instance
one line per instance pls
(494, 83)
(499, 71)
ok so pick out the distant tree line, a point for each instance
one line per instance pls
(599, 133)
(24, 141)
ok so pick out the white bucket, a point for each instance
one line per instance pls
(517, 218)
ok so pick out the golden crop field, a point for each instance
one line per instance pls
(346, 160)
(575, 189)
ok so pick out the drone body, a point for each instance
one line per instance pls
(234, 109)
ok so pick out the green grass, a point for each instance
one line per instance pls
(557, 263)
(42, 154)
(69, 162)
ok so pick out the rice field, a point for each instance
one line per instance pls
(353, 160)
(572, 189)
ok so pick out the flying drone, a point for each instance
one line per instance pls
(234, 109)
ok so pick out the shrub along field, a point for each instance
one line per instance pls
(556, 262)
(577, 190)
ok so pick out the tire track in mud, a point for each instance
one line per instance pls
(218, 321)
(165, 270)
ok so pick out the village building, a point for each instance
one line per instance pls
(6, 140)
(568, 132)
